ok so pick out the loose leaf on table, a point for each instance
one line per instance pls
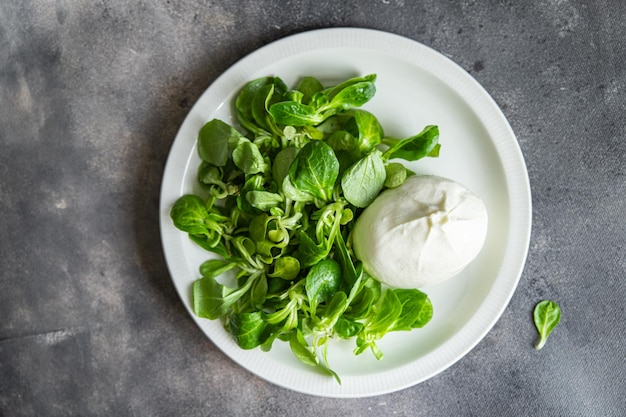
(547, 315)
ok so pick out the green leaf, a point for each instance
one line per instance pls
(547, 315)
(309, 253)
(248, 158)
(385, 315)
(253, 183)
(259, 107)
(362, 304)
(396, 174)
(189, 214)
(347, 328)
(322, 282)
(258, 292)
(246, 99)
(334, 309)
(211, 243)
(292, 113)
(248, 329)
(315, 170)
(216, 267)
(368, 130)
(282, 162)
(417, 310)
(293, 193)
(331, 92)
(342, 255)
(415, 147)
(364, 180)
(354, 95)
(286, 267)
(214, 141)
(211, 299)
(263, 200)
(302, 350)
(308, 86)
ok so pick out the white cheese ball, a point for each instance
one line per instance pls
(423, 232)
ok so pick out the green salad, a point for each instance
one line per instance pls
(281, 193)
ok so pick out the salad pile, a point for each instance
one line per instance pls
(281, 194)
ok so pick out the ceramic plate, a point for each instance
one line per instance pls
(416, 86)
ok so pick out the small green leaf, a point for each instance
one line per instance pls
(415, 147)
(354, 95)
(362, 182)
(347, 328)
(292, 113)
(331, 92)
(210, 298)
(282, 162)
(248, 158)
(315, 170)
(322, 282)
(369, 132)
(263, 200)
(396, 174)
(546, 315)
(216, 267)
(309, 253)
(214, 140)
(286, 267)
(308, 86)
(248, 329)
(417, 310)
(189, 214)
(246, 99)
(385, 315)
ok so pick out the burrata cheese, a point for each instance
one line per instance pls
(423, 232)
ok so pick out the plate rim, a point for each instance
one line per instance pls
(520, 202)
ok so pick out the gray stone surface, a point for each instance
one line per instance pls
(91, 96)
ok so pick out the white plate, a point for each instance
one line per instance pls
(416, 86)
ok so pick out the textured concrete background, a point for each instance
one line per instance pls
(91, 96)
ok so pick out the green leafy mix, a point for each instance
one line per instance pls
(279, 204)
(547, 315)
